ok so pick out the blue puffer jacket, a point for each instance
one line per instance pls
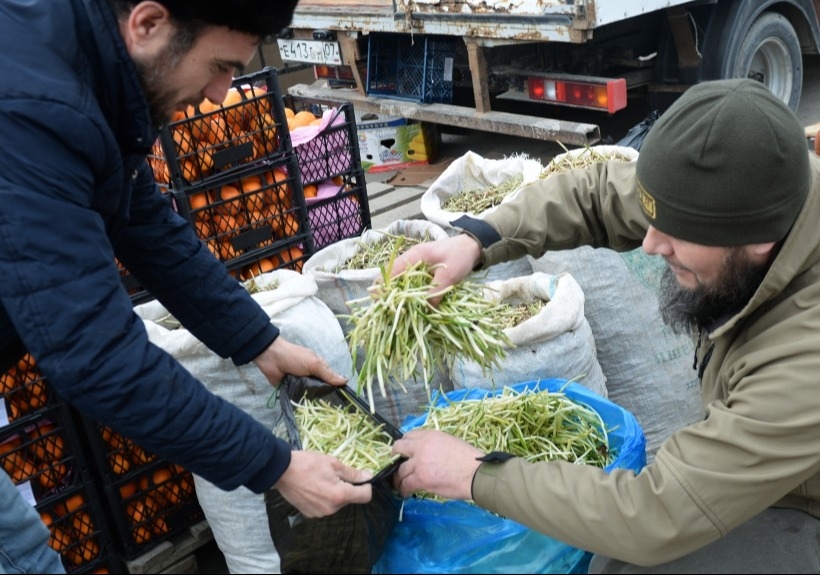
(76, 192)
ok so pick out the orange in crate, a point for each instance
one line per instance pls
(60, 539)
(232, 201)
(119, 463)
(278, 194)
(285, 225)
(290, 257)
(264, 265)
(83, 552)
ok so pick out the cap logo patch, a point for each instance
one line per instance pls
(647, 201)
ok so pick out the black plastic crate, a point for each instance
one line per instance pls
(333, 151)
(206, 141)
(241, 215)
(148, 499)
(340, 210)
(411, 67)
(291, 257)
(24, 392)
(79, 532)
(43, 456)
(333, 179)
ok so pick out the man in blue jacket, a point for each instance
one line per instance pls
(85, 84)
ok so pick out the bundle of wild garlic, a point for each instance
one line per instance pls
(534, 425)
(378, 253)
(345, 432)
(478, 200)
(586, 157)
(402, 335)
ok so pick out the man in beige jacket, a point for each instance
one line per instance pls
(727, 193)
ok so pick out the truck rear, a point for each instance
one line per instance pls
(546, 69)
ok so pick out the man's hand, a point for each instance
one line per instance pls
(453, 260)
(283, 357)
(319, 485)
(436, 462)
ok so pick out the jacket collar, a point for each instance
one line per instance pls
(116, 81)
(799, 253)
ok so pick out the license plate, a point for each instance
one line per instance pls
(310, 51)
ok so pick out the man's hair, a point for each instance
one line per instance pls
(259, 18)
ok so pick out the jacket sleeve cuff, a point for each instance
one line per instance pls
(256, 345)
(479, 229)
(273, 470)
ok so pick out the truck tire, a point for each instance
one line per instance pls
(769, 53)
(733, 44)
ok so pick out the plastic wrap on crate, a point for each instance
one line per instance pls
(323, 150)
(148, 499)
(336, 212)
(248, 212)
(207, 140)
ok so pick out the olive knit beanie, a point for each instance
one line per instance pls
(726, 165)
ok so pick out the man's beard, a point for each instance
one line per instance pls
(157, 74)
(685, 309)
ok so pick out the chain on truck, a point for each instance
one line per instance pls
(546, 69)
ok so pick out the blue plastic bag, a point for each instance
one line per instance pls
(459, 537)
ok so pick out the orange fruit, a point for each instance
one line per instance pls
(264, 265)
(233, 201)
(52, 477)
(206, 106)
(310, 190)
(285, 225)
(119, 463)
(85, 552)
(218, 130)
(74, 502)
(199, 200)
(202, 226)
(300, 119)
(139, 456)
(19, 467)
(128, 489)
(82, 523)
(279, 192)
(292, 257)
(142, 534)
(223, 225)
(60, 539)
(289, 113)
(184, 141)
(160, 527)
(234, 96)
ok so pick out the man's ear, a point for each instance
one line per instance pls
(147, 29)
(760, 252)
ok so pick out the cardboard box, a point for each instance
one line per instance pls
(393, 143)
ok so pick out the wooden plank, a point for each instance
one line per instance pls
(478, 71)
(521, 125)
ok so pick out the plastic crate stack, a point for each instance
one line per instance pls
(149, 500)
(404, 67)
(332, 176)
(231, 171)
(42, 452)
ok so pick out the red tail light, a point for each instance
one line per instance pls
(609, 95)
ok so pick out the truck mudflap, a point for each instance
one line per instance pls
(536, 127)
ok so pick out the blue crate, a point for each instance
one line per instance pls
(416, 68)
